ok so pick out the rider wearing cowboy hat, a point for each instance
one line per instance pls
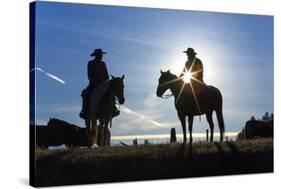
(97, 73)
(193, 65)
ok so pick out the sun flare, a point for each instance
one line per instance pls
(187, 77)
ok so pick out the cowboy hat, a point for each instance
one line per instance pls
(97, 52)
(190, 51)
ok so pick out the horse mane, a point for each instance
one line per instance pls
(173, 77)
(111, 81)
(114, 79)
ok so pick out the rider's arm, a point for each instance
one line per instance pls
(199, 64)
(106, 72)
(185, 69)
(90, 72)
(187, 66)
(182, 73)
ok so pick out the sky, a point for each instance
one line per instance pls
(236, 51)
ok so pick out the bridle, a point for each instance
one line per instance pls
(167, 96)
(112, 92)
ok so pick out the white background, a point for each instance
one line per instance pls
(14, 72)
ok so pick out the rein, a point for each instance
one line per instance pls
(111, 93)
(115, 97)
(170, 95)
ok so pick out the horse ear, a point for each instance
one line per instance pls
(112, 77)
(161, 71)
(123, 76)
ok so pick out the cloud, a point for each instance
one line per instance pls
(152, 101)
(66, 108)
(49, 75)
(55, 78)
(141, 117)
(145, 120)
(142, 41)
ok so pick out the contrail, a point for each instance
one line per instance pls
(141, 116)
(49, 75)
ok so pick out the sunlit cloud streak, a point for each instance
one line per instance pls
(141, 117)
(52, 76)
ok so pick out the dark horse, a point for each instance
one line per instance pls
(105, 110)
(190, 103)
(56, 133)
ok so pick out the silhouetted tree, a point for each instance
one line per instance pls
(253, 118)
(266, 117)
(271, 116)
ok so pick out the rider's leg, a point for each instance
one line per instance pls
(85, 99)
(95, 131)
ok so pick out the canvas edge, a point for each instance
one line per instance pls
(32, 172)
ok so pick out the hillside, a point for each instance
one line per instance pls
(143, 162)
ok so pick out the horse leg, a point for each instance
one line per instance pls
(105, 132)
(190, 123)
(183, 124)
(101, 135)
(221, 123)
(94, 131)
(88, 131)
(91, 131)
(211, 124)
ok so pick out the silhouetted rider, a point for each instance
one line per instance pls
(193, 65)
(97, 70)
(97, 74)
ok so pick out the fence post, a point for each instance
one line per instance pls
(135, 142)
(173, 137)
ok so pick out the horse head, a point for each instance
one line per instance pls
(117, 85)
(164, 81)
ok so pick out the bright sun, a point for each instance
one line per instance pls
(187, 77)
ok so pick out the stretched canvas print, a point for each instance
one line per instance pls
(126, 94)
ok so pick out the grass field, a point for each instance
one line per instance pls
(161, 161)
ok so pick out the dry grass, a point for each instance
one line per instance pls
(111, 164)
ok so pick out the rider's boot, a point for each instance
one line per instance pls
(84, 112)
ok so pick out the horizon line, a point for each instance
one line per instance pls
(162, 136)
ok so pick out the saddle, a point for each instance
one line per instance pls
(197, 87)
(98, 91)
